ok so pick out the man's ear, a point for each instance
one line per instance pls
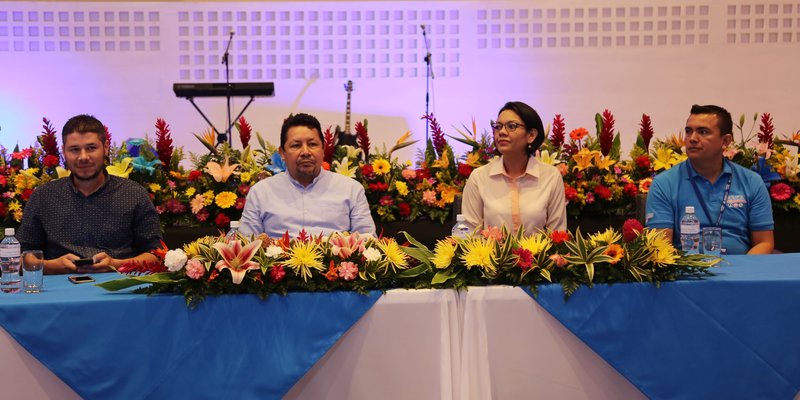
(727, 139)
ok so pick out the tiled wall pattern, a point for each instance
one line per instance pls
(374, 42)
(34, 31)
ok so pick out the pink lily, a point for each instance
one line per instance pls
(344, 246)
(237, 258)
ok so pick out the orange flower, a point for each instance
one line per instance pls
(332, 274)
(326, 166)
(644, 185)
(578, 134)
(614, 251)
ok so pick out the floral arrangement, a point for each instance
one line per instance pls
(348, 261)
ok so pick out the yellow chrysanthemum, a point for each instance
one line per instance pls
(394, 257)
(154, 187)
(209, 197)
(661, 251)
(381, 166)
(190, 192)
(606, 237)
(402, 188)
(245, 177)
(443, 253)
(479, 253)
(302, 257)
(225, 199)
(797, 199)
(536, 244)
(14, 206)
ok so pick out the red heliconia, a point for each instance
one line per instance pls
(48, 139)
(606, 136)
(765, 130)
(647, 130)
(559, 130)
(362, 136)
(330, 145)
(245, 131)
(437, 135)
(163, 143)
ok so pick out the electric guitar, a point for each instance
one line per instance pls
(346, 137)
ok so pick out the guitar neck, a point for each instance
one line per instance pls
(347, 116)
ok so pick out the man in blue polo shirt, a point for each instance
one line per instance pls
(724, 194)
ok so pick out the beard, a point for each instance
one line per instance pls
(91, 176)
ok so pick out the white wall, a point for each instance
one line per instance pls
(118, 60)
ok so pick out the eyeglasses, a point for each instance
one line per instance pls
(510, 126)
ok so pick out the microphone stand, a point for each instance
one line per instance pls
(428, 77)
(227, 135)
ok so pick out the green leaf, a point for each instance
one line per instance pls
(414, 272)
(119, 284)
(598, 122)
(443, 276)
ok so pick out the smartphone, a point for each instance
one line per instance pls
(81, 278)
(83, 262)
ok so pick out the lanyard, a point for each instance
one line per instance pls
(703, 202)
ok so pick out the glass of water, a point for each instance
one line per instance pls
(712, 241)
(32, 270)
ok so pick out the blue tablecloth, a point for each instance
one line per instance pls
(125, 346)
(735, 335)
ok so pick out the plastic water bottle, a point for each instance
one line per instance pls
(233, 232)
(690, 231)
(9, 262)
(460, 229)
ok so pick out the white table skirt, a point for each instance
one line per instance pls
(484, 343)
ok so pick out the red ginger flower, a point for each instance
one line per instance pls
(141, 268)
(245, 131)
(163, 143)
(362, 137)
(437, 135)
(765, 130)
(330, 145)
(646, 131)
(559, 129)
(606, 135)
(108, 137)
(48, 139)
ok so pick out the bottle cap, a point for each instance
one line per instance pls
(9, 232)
(234, 224)
(460, 218)
(690, 209)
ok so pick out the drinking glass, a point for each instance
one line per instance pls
(712, 241)
(32, 270)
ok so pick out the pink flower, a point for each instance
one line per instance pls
(386, 200)
(277, 273)
(237, 258)
(589, 198)
(409, 174)
(429, 197)
(780, 191)
(202, 215)
(492, 232)
(730, 152)
(171, 184)
(763, 149)
(343, 246)
(195, 269)
(559, 260)
(348, 271)
(160, 209)
(197, 203)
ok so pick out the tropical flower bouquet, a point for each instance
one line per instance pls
(216, 265)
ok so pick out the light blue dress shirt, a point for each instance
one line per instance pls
(331, 203)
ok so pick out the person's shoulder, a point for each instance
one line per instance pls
(672, 174)
(52, 187)
(485, 169)
(547, 169)
(339, 180)
(746, 173)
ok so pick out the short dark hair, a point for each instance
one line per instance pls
(725, 122)
(531, 120)
(301, 119)
(82, 124)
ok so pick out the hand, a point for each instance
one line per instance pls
(102, 263)
(61, 265)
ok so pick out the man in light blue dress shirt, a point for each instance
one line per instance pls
(305, 197)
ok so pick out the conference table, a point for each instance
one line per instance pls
(731, 335)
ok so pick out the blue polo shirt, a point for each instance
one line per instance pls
(748, 207)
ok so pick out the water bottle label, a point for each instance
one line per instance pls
(690, 229)
(10, 251)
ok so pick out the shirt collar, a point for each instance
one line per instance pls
(531, 169)
(99, 189)
(692, 173)
(300, 185)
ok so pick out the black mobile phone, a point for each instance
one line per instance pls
(81, 278)
(83, 262)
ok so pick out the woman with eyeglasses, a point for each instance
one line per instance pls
(516, 189)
